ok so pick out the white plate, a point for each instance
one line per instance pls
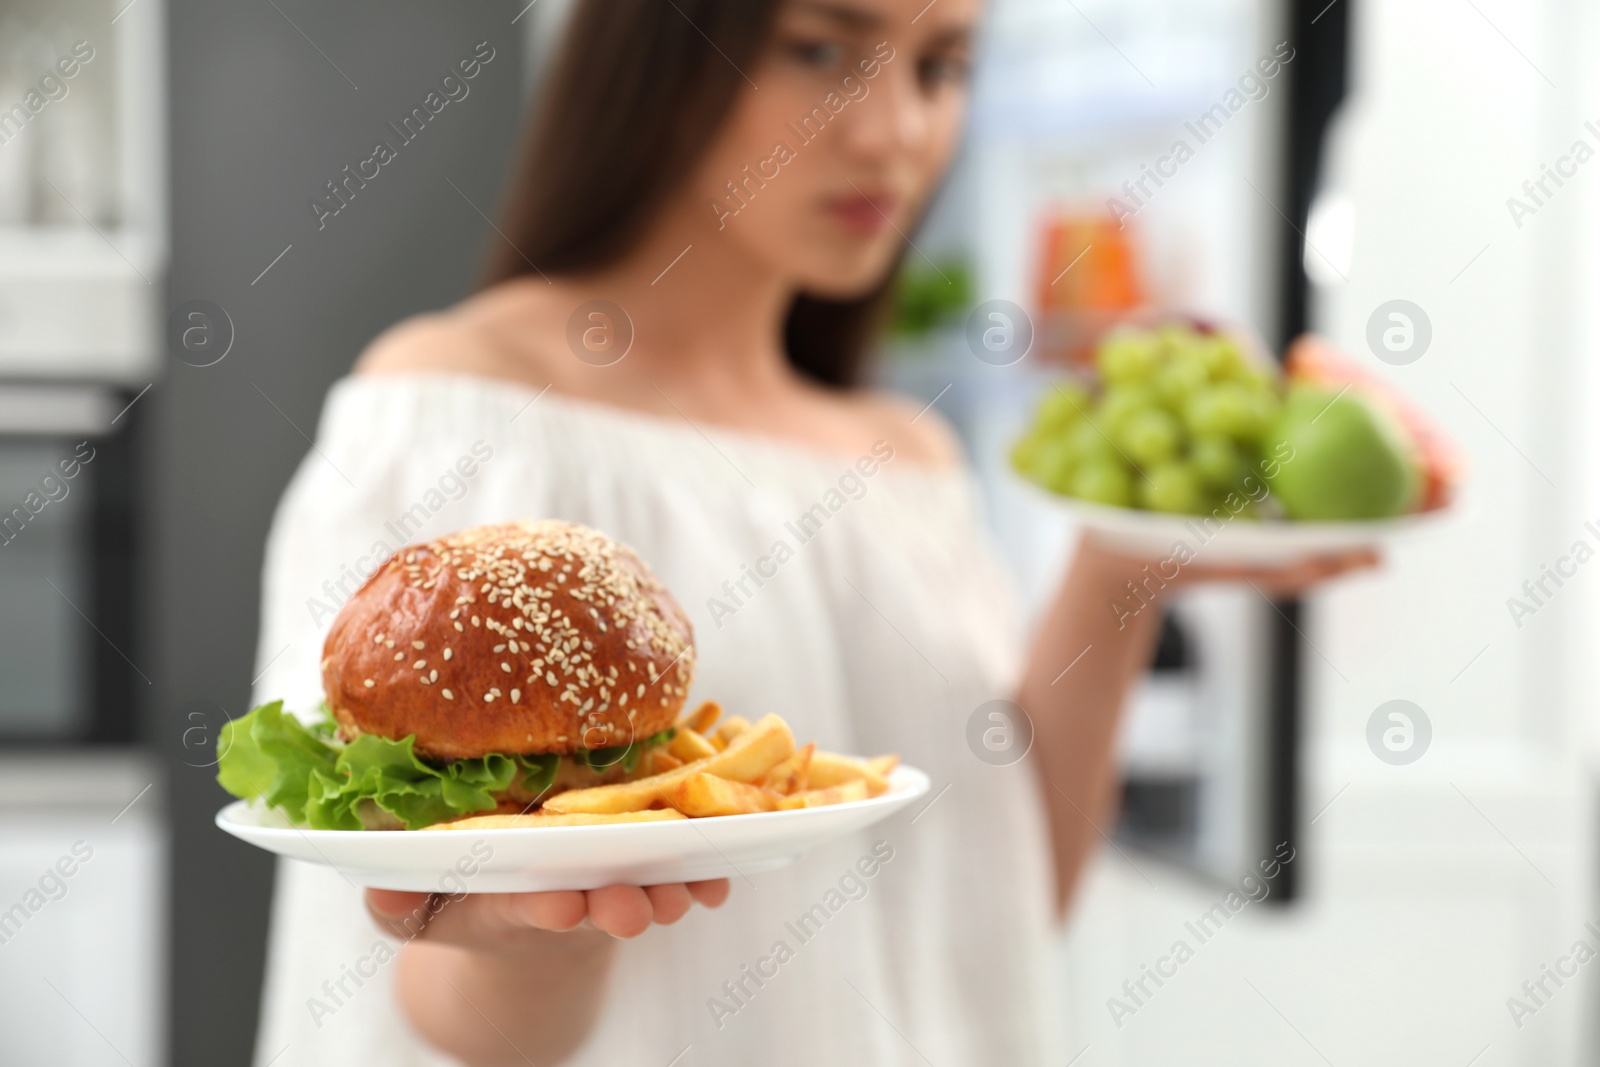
(569, 857)
(1265, 542)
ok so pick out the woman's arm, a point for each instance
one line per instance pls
(1076, 707)
(518, 978)
(1076, 714)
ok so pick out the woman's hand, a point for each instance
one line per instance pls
(533, 965)
(498, 922)
(1273, 580)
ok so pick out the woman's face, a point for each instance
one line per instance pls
(831, 152)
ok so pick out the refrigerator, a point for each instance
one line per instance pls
(1139, 159)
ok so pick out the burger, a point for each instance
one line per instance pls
(483, 671)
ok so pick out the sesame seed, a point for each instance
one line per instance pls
(448, 653)
(398, 656)
(488, 698)
(475, 621)
(460, 629)
(421, 663)
(425, 681)
(516, 695)
(506, 667)
(447, 694)
(369, 683)
(500, 648)
(418, 645)
(433, 676)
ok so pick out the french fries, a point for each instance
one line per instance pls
(747, 757)
(702, 718)
(689, 745)
(739, 768)
(792, 775)
(882, 765)
(829, 769)
(731, 727)
(539, 818)
(855, 789)
(703, 795)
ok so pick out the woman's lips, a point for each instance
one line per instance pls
(864, 214)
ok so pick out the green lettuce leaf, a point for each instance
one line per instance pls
(319, 781)
(599, 759)
(271, 755)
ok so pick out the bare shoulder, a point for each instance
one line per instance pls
(432, 342)
(473, 337)
(918, 433)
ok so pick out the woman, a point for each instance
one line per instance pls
(715, 198)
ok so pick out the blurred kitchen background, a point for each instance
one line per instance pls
(171, 316)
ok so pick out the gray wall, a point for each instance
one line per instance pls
(259, 122)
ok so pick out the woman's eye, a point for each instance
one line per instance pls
(946, 70)
(819, 54)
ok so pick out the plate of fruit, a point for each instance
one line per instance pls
(1182, 442)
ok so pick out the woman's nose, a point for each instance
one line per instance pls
(890, 115)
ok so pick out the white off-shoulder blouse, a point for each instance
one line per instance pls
(854, 595)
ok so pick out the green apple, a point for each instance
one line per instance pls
(1340, 458)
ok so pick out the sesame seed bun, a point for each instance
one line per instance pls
(528, 637)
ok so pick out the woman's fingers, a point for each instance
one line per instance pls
(402, 915)
(620, 910)
(486, 920)
(1287, 578)
(709, 894)
(558, 911)
(670, 902)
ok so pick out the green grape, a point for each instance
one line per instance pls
(1225, 410)
(1054, 463)
(1268, 405)
(1177, 337)
(1062, 405)
(1103, 482)
(1222, 359)
(1173, 487)
(1150, 436)
(1127, 357)
(1183, 376)
(1120, 403)
(1088, 443)
(1217, 461)
(1025, 453)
